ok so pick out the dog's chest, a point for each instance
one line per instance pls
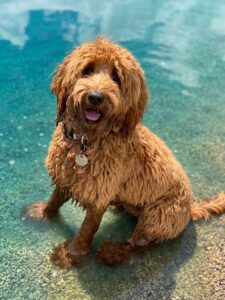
(94, 182)
(81, 181)
(65, 164)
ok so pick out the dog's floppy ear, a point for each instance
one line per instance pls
(66, 76)
(60, 89)
(136, 91)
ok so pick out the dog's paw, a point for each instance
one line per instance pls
(37, 211)
(63, 258)
(113, 254)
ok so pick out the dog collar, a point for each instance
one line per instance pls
(81, 158)
(72, 135)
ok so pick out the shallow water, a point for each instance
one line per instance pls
(180, 45)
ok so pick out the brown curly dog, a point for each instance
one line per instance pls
(101, 155)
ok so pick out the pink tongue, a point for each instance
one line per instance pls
(92, 115)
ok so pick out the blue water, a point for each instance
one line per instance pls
(180, 45)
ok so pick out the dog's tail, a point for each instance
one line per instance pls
(206, 208)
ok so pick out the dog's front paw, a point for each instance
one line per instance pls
(64, 258)
(37, 211)
(113, 254)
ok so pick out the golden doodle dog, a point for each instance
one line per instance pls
(101, 155)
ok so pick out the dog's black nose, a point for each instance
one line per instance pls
(95, 97)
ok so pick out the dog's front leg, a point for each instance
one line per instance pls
(45, 210)
(69, 254)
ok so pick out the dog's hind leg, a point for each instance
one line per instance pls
(162, 221)
(45, 210)
(119, 207)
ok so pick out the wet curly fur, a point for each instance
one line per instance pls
(127, 164)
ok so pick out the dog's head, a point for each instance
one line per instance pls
(101, 86)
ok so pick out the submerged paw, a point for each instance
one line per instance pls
(62, 258)
(37, 211)
(113, 254)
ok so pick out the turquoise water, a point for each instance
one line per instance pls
(180, 45)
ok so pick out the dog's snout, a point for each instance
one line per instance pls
(95, 97)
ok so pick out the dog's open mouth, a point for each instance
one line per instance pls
(92, 116)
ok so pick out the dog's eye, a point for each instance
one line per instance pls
(115, 77)
(88, 70)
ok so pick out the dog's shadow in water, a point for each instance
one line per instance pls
(153, 272)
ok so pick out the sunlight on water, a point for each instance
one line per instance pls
(180, 45)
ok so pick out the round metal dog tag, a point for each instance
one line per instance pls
(81, 160)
